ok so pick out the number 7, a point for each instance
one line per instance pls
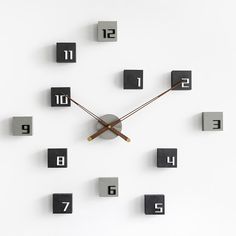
(66, 205)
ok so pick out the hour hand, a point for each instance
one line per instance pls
(101, 121)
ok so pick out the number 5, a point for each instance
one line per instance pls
(66, 205)
(158, 207)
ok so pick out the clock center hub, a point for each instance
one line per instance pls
(109, 118)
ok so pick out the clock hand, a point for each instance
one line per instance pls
(111, 128)
(102, 130)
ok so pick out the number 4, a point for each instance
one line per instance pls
(139, 82)
(171, 160)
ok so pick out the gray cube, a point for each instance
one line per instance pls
(212, 121)
(22, 126)
(108, 187)
(107, 31)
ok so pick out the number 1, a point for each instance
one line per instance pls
(139, 82)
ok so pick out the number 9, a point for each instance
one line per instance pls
(25, 129)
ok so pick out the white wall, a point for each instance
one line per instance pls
(154, 35)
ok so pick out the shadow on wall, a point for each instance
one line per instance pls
(44, 98)
(6, 127)
(46, 54)
(39, 159)
(137, 206)
(45, 206)
(196, 122)
(118, 79)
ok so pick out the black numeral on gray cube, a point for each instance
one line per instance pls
(22, 125)
(107, 31)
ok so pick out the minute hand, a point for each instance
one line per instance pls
(102, 130)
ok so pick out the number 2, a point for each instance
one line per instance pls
(66, 205)
(185, 83)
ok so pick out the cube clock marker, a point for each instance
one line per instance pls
(59, 97)
(167, 157)
(133, 79)
(57, 158)
(108, 187)
(181, 75)
(62, 203)
(154, 204)
(22, 126)
(66, 52)
(212, 121)
(107, 31)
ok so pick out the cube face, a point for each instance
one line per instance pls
(57, 158)
(181, 75)
(133, 79)
(107, 31)
(108, 187)
(167, 157)
(212, 121)
(62, 203)
(154, 204)
(59, 97)
(66, 52)
(22, 126)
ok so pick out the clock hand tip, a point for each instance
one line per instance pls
(90, 139)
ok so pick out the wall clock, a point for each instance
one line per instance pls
(115, 124)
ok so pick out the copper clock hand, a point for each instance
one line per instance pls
(115, 131)
(102, 130)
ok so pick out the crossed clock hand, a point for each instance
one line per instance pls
(110, 126)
